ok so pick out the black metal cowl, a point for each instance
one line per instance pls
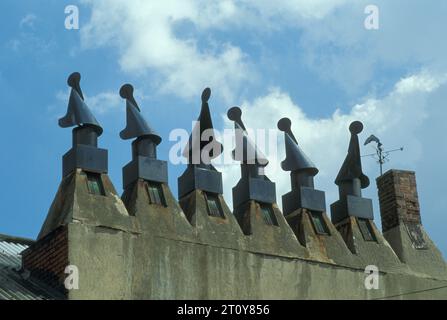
(246, 150)
(296, 159)
(352, 166)
(204, 123)
(78, 113)
(136, 125)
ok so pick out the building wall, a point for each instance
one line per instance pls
(152, 267)
(180, 252)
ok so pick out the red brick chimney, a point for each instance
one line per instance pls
(47, 258)
(402, 226)
(398, 199)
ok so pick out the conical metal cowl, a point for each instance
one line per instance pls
(203, 130)
(296, 159)
(246, 150)
(352, 166)
(78, 113)
(136, 125)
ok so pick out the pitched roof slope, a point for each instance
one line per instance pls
(14, 283)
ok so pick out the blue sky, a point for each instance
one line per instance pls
(310, 60)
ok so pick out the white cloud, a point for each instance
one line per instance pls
(28, 40)
(397, 119)
(422, 82)
(340, 49)
(332, 39)
(144, 33)
(293, 10)
(28, 20)
(105, 101)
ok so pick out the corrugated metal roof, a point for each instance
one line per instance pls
(10, 254)
(15, 284)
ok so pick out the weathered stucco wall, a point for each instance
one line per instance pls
(132, 249)
(124, 266)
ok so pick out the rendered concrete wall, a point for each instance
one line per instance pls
(104, 259)
(138, 250)
(118, 265)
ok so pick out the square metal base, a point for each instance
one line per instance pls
(145, 168)
(304, 197)
(254, 189)
(195, 178)
(85, 157)
(352, 206)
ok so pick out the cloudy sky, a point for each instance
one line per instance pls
(310, 60)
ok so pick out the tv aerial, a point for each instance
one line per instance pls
(380, 155)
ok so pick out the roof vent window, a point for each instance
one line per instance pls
(319, 223)
(155, 193)
(213, 205)
(94, 184)
(366, 229)
(268, 215)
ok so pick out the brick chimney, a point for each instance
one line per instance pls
(402, 225)
(398, 198)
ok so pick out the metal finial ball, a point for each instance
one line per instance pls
(126, 91)
(206, 94)
(74, 79)
(285, 124)
(234, 114)
(356, 127)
